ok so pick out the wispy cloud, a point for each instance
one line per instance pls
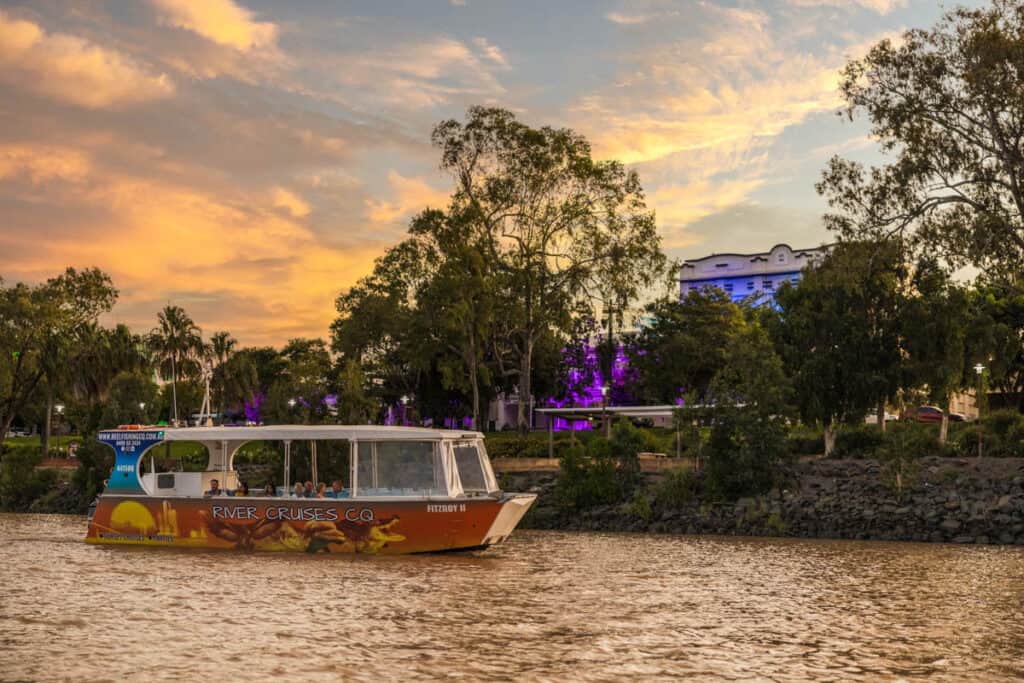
(491, 52)
(698, 113)
(628, 19)
(879, 6)
(423, 74)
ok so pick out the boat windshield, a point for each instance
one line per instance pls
(399, 468)
(471, 472)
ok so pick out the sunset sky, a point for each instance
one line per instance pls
(248, 159)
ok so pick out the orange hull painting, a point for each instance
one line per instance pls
(291, 524)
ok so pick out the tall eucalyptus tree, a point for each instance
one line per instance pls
(550, 222)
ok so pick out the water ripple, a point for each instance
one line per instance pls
(545, 606)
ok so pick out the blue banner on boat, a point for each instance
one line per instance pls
(128, 447)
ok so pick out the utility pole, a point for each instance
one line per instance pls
(980, 370)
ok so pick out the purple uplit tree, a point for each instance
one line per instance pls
(584, 378)
(252, 407)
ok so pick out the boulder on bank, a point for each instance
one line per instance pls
(952, 500)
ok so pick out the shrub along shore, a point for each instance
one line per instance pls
(902, 484)
(958, 500)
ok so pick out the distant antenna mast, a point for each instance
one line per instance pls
(205, 414)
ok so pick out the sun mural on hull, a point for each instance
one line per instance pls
(276, 525)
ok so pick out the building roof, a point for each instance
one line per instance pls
(763, 253)
(780, 260)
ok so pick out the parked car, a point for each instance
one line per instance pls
(872, 418)
(14, 433)
(924, 414)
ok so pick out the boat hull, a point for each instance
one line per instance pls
(307, 525)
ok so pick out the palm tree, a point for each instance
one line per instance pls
(177, 343)
(222, 348)
(102, 354)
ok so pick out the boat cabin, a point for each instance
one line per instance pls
(383, 462)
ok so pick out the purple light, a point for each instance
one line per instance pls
(585, 379)
(563, 425)
(252, 407)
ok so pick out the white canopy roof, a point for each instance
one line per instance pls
(623, 411)
(307, 433)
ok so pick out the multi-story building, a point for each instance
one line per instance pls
(754, 276)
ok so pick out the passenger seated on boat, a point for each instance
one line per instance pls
(299, 491)
(243, 490)
(309, 491)
(215, 489)
(337, 491)
(321, 490)
(270, 490)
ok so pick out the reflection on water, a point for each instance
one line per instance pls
(545, 605)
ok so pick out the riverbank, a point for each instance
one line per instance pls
(958, 500)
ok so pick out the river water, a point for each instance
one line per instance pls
(546, 605)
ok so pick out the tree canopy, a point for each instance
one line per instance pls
(838, 332)
(553, 224)
(37, 324)
(947, 106)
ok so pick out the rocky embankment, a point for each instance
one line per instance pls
(942, 500)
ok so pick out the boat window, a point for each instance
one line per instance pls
(467, 458)
(399, 468)
(366, 472)
(165, 481)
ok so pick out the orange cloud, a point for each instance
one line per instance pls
(411, 195)
(221, 21)
(232, 259)
(290, 202)
(42, 164)
(680, 205)
(748, 88)
(70, 69)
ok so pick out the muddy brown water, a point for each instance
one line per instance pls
(545, 606)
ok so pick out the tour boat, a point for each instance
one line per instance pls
(406, 490)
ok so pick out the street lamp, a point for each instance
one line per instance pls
(142, 411)
(604, 409)
(60, 411)
(291, 403)
(405, 403)
(980, 370)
